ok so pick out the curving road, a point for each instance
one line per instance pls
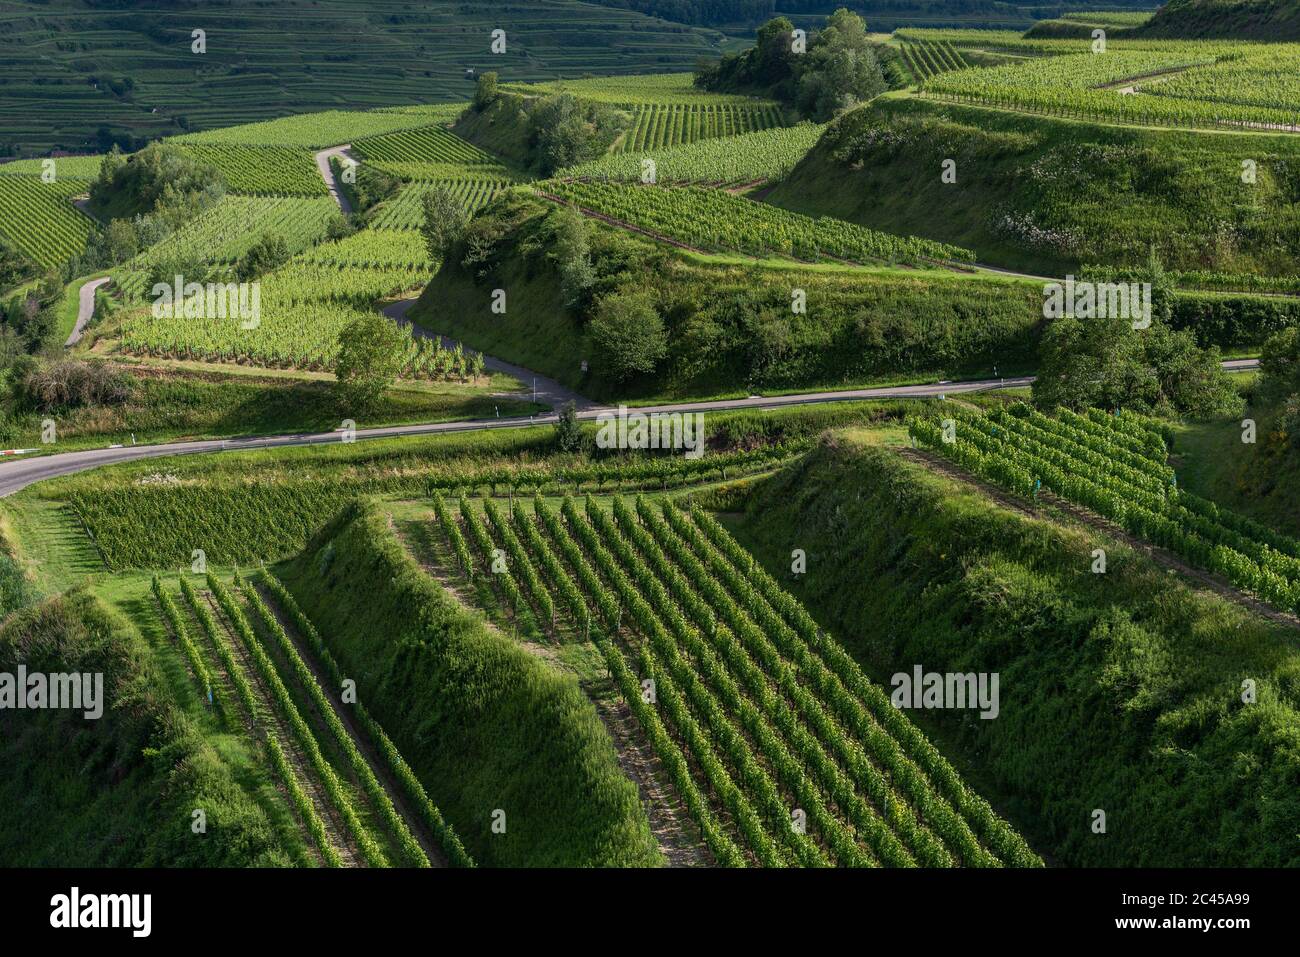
(323, 164)
(85, 308)
(548, 391)
(16, 475)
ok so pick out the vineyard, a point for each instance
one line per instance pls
(426, 144)
(780, 749)
(39, 219)
(222, 234)
(1183, 84)
(373, 249)
(406, 210)
(263, 170)
(1115, 465)
(929, 59)
(309, 130)
(659, 126)
(65, 167)
(747, 158)
(270, 516)
(714, 220)
(650, 89)
(298, 333)
(256, 678)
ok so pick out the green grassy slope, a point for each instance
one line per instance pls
(64, 63)
(485, 725)
(502, 128)
(119, 791)
(1272, 20)
(1119, 692)
(1261, 480)
(1045, 195)
(730, 326)
(169, 404)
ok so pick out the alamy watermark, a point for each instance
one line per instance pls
(37, 690)
(1098, 300)
(213, 300)
(657, 430)
(77, 910)
(923, 689)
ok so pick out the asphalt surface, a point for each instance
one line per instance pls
(85, 308)
(327, 174)
(17, 474)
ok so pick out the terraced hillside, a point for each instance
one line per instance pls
(752, 710)
(69, 68)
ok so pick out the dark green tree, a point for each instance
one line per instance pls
(628, 334)
(370, 357)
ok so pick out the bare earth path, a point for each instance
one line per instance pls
(85, 308)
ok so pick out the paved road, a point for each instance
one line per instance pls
(16, 475)
(85, 308)
(327, 174)
(549, 392)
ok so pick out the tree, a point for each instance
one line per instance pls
(564, 131)
(121, 241)
(1279, 365)
(445, 219)
(568, 431)
(269, 252)
(370, 357)
(571, 252)
(1162, 288)
(1106, 363)
(485, 92)
(628, 334)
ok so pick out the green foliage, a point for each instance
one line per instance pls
(268, 253)
(628, 334)
(716, 220)
(838, 71)
(491, 726)
(39, 226)
(378, 798)
(117, 791)
(1268, 20)
(368, 362)
(746, 158)
(1047, 195)
(730, 327)
(401, 771)
(1143, 668)
(485, 91)
(565, 131)
(1106, 363)
(568, 431)
(444, 220)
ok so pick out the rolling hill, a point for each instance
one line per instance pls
(75, 74)
(1272, 20)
